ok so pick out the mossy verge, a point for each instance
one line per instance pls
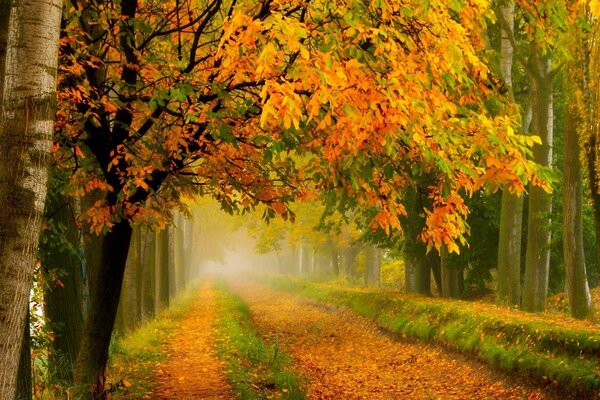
(255, 368)
(565, 358)
(135, 357)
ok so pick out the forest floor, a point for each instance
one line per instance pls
(193, 370)
(336, 354)
(345, 356)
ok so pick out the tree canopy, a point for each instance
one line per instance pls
(269, 102)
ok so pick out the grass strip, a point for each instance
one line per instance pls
(509, 340)
(135, 357)
(256, 369)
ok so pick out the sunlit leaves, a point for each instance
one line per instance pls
(272, 102)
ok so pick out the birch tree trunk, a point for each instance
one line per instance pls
(508, 288)
(24, 380)
(26, 122)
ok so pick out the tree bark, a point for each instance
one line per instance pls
(422, 270)
(372, 266)
(24, 380)
(180, 256)
(138, 276)
(172, 262)
(90, 367)
(508, 289)
(5, 7)
(148, 273)
(409, 277)
(452, 279)
(592, 157)
(537, 259)
(26, 123)
(63, 308)
(578, 291)
(577, 288)
(92, 245)
(162, 269)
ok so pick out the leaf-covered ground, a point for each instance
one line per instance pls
(345, 356)
(192, 370)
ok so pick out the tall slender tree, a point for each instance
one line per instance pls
(63, 295)
(537, 258)
(162, 269)
(576, 125)
(508, 288)
(591, 140)
(26, 121)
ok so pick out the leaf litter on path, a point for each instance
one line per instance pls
(193, 370)
(346, 357)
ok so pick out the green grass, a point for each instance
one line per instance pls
(135, 357)
(256, 369)
(539, 347)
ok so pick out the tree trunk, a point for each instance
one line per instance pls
(452, 279)
(591, 143)
(537, 259)
(138, 276)
(172, 262)
(63, 308)
(372, 266)
(24, 386)
(577, 289)
(162, 269)
(26, 123)
(593, 173)
(5, 7)
(335, 262)
(92, 245)
(90, 367)
(508, 289)
(128, 313)
(180, 258)
(409, 277)
(148, 273)
(422, 270)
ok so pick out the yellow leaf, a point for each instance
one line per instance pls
(304, 53)
(536, 139)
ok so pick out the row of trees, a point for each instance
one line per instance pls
(387, 109)
(159, 265)
(550, 73)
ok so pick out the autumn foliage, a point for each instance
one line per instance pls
(271, 102)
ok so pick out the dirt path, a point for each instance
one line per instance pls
(346, 357)
(193, 371)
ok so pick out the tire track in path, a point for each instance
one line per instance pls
(193, 370)
(347, 357)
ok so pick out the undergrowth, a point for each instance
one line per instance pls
(135, 357)
(539, 347)
(256, 369)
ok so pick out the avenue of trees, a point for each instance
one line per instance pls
(457, 140)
